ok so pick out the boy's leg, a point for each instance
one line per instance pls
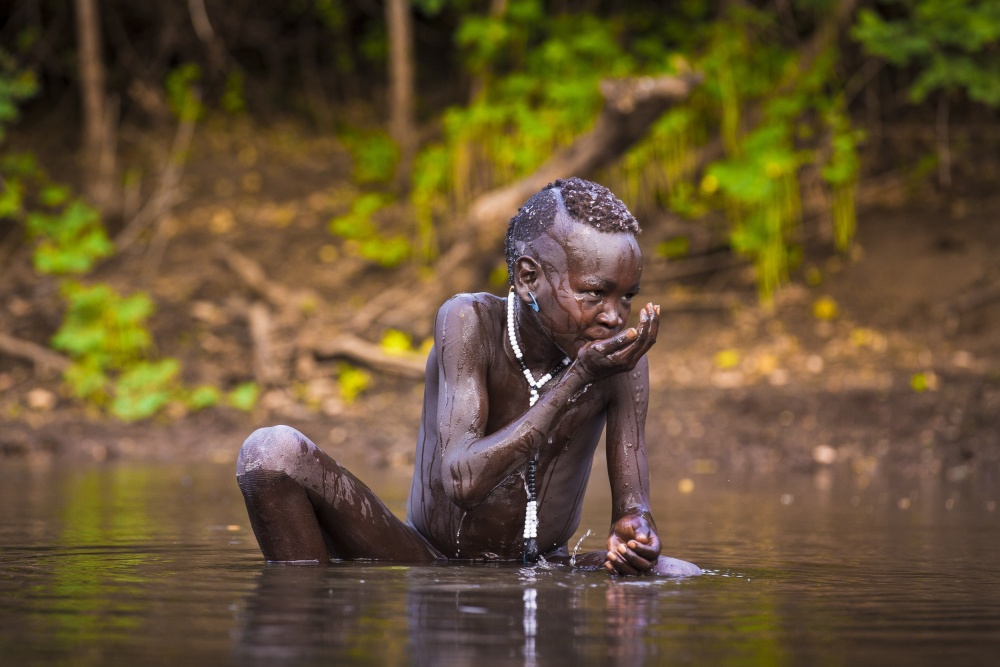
(303, 505)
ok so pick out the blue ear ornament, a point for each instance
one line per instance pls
(533, 304)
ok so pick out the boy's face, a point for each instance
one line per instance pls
(588, 282)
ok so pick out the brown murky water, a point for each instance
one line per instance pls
(155, 565)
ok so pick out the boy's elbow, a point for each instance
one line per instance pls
(460, 487)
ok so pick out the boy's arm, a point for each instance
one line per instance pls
(474, 462)
(633, 545)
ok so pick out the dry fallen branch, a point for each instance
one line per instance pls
(306, 338)
(408, 365)
(631, 106)
(253, 276)
(42, 357)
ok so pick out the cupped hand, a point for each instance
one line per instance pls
(603, 358)
(633, 546)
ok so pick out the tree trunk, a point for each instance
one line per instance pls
(99, 117)
(203, 28)
(401, 123)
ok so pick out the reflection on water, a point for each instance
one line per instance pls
(461, 615)
(143, 564)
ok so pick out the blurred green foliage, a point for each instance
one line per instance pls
(373, 153)
(757, 183)
(531, 75)
(16, 84)
(352, 382)
(107, 337)
(234, 97)
(104, 333)
(182, 92)
(952, 44)
(540, 80)
(544, 90)
(362, 234)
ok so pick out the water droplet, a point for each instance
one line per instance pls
(458, 535)
(576, 548)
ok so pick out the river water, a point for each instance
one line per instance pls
(146, 565)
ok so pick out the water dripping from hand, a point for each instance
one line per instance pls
(576, 548)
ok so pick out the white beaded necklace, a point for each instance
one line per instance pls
(531, 511)
(533, 385)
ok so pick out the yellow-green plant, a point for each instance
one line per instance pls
(775, 115)
(105, 334)
(358, 227)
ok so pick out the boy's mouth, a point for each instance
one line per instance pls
(602, 334)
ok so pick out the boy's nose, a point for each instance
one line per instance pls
(610, 316)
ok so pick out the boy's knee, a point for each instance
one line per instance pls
(271, 449)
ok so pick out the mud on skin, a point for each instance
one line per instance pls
(571, 251)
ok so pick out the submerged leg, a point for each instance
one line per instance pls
(303, 505)
(282, 517)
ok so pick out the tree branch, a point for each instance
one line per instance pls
(42, 357)
(167, 191)
(306, 339)
(408, 365)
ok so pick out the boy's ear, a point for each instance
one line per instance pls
(527, 273)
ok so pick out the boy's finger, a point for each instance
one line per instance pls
(654, 323)
(609, 346)
(632, 353)
(644, 321)
(645, 551)
(619, 565)
(638, 557)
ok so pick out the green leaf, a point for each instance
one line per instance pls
(204, 396)
(86, 380)
(54, 195)
(244, 397)
(144, 389)
(182, 93)
(352, 382)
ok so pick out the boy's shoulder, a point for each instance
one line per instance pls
(476, 302)
(468, 322)
(480, 310)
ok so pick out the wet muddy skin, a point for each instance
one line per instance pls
(479, 430)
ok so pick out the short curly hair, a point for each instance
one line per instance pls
(586, 202)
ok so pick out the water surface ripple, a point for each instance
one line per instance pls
(156, 566)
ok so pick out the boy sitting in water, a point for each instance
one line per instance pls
(518, 390)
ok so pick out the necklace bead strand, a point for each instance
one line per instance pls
(533, 384)
(531, 510)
